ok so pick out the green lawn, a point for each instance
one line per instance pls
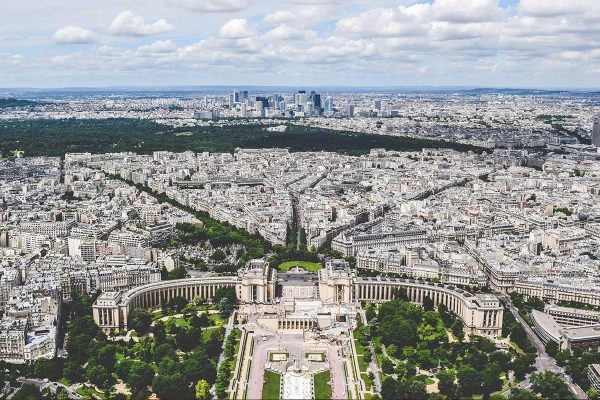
(238, 335)
(181, 322)
(362, 363)
(307, 265)
(322, 386)
(216, 319)
(90, 393)
(359, 347)
(516, 347)
(368, 382)
(271, 386)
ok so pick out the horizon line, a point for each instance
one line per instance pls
(241, 86)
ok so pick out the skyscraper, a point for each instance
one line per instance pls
(328, 104)
(301, 98)
(596, 132)
(316, 99)
(263, 100)
(350, 110)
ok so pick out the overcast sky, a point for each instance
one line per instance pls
(516, 43)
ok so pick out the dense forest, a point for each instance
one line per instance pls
(13, 103)
(57, 137)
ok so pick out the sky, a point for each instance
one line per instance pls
(492, 43)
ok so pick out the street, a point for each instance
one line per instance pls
(543, 361)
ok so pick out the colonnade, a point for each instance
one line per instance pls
(111, 311)
(304, 324)
(481, 314)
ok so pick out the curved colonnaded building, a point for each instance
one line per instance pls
(337, 284)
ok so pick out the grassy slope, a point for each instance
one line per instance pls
(271, 386)
(307, 265)
(322, 387)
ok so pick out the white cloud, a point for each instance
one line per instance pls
(555, 8)
(212, 5)
(10, 59)
(235, 29)
(330, 41)
(74, 35)
(129, 24)
(382, 22)
(160, 46)
(287, 32)
(467, 11)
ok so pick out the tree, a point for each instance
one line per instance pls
(225, 307)
(218, 255)
(388, 389)
(562, 357)
(398, 331)
(140, 376)
(412, 389)
(522, 394)
(140, 320)
(549, 385)
(446, 383)
(551, 348)
(215, 340)
(122, 369)
(424, 358)
(99, 376)
(27, 392)
(427, 303)
(170, 387)
(392, 349)
(469, 380)
(103, 354)
(490, 379)
(458, 329)
(160, 334)
(522, 365)
(370, 312)
(387, 366)
(202, 390)
(73, 372)
(45, 368)
(502, 359)
(164, 350)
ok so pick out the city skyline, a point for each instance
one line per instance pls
(482, 43)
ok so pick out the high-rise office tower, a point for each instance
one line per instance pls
(596, 132)
(263, 100)
(328, 104)
(316, 99)
(236, 96)
(377, 104)
(301, 98)
(350, 110)
(310, 107)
